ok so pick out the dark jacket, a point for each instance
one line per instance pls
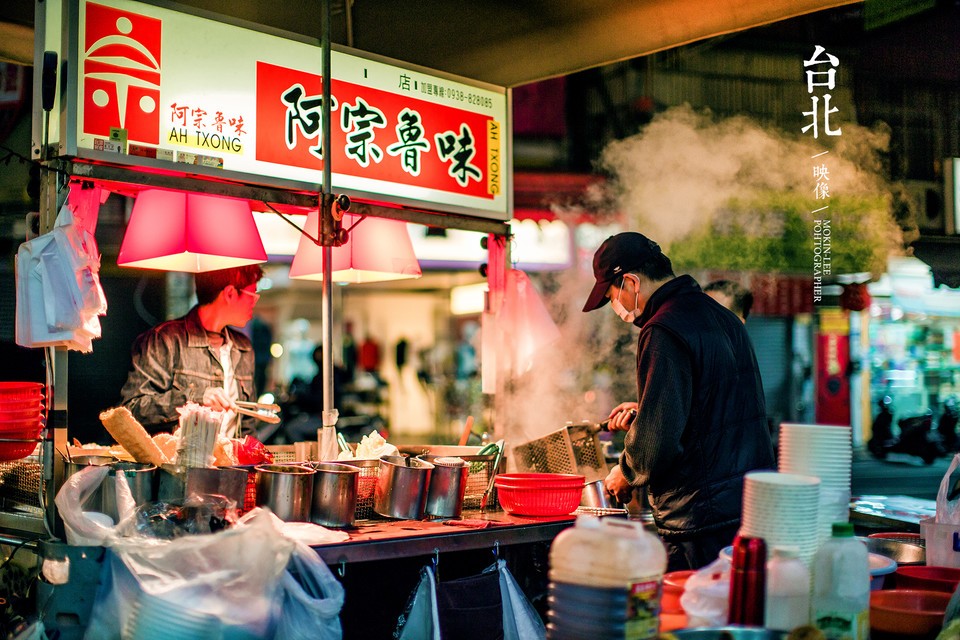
(701, 423)
(173, 364)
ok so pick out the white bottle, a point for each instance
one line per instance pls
(788, 591)
(605, 581)
(841, 586)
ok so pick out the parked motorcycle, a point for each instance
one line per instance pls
(947, 425)
(916, 435)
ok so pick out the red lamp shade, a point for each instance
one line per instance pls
(378, 249)
(191, 232)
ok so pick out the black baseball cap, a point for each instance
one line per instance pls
(616, 256)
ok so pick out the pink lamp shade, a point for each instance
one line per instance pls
(190, 232)
(378, 249)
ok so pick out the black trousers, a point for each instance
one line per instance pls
(698, 551)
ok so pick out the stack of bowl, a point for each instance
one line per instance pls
(21, 418)
(783, 509)
(539, 494)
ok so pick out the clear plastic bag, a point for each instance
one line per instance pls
(948, 497)
(81, 528)
(232, 577)
(706, 595)
(312, 599)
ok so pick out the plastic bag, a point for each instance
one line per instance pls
(948, 497)
(420, 619)
(232, 577)
(81, 529)
(251, 451)
(520, 619)
(706, 595)
(312, 599)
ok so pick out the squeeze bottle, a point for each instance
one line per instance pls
(606, 579)
(841, 586)
(788, 591)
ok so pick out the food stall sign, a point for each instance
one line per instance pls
(154, 87)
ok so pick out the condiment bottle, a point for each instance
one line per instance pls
(606, 578)
(748, 581)
(788, 590)
(841, 586)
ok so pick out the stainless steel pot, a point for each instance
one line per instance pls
(287, 489)
(448, 484)
(595, 495)
(334, 494)
(401, 490)
(141, 478)
(179, 483)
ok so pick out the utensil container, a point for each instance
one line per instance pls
(334, 494)
(448, 484)
(401, 490)
(179, 483)
(140, 477)
(287, 490)
(366, 485)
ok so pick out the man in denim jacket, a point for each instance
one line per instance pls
(197, 358)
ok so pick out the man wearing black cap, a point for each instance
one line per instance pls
(701, 422)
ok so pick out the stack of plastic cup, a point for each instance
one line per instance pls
(154, 618)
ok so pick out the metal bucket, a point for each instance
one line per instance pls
(287, 489)
(179, 483)
(140, 477)
(401, 490)
(448, 484)
(334, 494)
(595, 496)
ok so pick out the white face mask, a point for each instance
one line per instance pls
(620, 310)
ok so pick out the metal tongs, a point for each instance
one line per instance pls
(259, 410)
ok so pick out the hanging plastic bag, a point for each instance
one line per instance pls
(226, 583)
(420, 619)
(948, 497)
(81, 528)
(520, 619)
(312, 599)
(706, 595)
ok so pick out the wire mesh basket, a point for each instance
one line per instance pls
(366, 485)
(20, 484)
(283, 453)
(573, 449)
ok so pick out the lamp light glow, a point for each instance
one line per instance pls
(189, 232)
(379, 249)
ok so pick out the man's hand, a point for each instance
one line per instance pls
(621, 418)
(617, 486)
(216, 398)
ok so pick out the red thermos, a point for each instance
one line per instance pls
(748, 579)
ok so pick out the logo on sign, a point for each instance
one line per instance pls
(121, 73)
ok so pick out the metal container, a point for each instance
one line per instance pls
(287, 489)
(179, 483)
(140, 477)
(366, 485)
(334, 494)
(401, 490)
(448, 484)
(595, 496)
(902, 552)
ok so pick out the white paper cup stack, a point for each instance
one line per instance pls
(826, 452)
(783, 509)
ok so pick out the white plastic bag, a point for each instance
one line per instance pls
(948, 504)
(312, 599)
(81, 529)
(421, 618)
(232, 575)
(520, 619)
(706, 595)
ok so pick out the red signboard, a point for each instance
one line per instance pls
(832, 364)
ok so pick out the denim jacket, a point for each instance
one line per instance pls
(173, 364)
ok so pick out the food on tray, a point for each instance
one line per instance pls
(371, 446)
(125, 429)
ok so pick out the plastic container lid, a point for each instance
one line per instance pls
(842, 530)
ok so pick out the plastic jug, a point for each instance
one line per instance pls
(606, 579)
(788, 590)
(841, 586)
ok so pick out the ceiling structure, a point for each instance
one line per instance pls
(503, 42)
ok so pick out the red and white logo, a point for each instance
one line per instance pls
(121, 73)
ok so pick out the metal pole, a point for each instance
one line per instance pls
(326, 219)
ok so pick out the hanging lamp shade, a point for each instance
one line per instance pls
(190, 232)
(378, 249)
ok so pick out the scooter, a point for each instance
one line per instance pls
(916, 436)
(947, 425)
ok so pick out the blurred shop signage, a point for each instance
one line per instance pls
(167, 89)
(832, 362)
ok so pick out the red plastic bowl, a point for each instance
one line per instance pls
(540, 501)
(20, 414)
(539, 480)
(943, 579)
(907, 612)
(27, 424)
(18, 450)
(20, 391)
(673, 585)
